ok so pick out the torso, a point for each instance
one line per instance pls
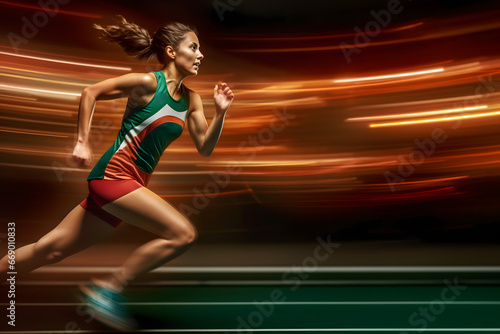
(145, 133)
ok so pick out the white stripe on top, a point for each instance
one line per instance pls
(165, 111)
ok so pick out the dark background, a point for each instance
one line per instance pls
(320, 175)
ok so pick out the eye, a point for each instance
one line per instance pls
(193, 47)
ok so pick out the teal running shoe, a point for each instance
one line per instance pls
(108, 307)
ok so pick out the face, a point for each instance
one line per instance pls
(188, 56)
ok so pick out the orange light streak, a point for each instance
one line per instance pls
(430, 36)
(17, 98)
(432, 120)
(67, 62)
(39, 90)
(67, 12)
(390, 76)
(422, 181)
(418, 114)
(34, 133)
(25, 120)
(219, 193)
(43, 80)
(300, 38)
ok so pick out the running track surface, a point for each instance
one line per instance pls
(267, 306)
(229, 308)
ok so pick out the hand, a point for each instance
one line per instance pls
(82, 154)
(223, 96)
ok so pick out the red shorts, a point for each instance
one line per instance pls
(102, 192)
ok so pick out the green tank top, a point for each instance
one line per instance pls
(145, 133)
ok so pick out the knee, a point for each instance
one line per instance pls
(185, 237)
(49, 252)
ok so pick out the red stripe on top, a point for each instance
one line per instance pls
(136, 141)
(122, 164)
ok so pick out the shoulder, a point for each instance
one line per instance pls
(190, 93)
(147, 80)
(193, 98)
(144, 79)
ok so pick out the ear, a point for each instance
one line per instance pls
(170, 52)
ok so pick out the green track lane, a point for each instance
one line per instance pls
(276, 308)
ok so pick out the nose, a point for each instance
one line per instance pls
(200, 56)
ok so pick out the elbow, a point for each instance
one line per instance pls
(88, 92)
(205, 153)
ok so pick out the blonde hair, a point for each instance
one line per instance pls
(137, 42)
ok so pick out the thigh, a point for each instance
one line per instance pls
(146, 210)
(77, 231)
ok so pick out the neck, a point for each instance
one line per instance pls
(173, 77)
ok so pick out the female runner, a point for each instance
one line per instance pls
(158, 106)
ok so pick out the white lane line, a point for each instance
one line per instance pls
(281, 269)
(267, 282)
(275, 303)
(210, 330)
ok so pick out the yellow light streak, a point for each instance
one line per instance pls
(432, 120)
(417, 114)
(44, 80)
(390, 76)
(39, 90)
(37, 110)
(33, 133)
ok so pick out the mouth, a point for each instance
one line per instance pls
(197, 64)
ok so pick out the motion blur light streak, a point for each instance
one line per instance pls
(436, 180)
(61, 11)
(226, 193)
(34, 133)
(44, 80)
(419, 114)
(14, 88)
(67, 62)
(432, 30)
(308, 136)
(432, 120)
(299, 38)
(390, 76)
(22, 120)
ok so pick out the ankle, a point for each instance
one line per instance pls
(110, 284)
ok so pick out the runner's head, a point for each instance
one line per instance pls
(175, 42)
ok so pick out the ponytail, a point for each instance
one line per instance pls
(137, 42)
(134, 40)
